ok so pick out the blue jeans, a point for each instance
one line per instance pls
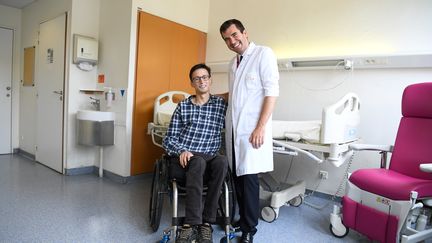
(202, 169)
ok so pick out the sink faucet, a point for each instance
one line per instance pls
(95, 103)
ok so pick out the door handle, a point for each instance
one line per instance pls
(58, 92)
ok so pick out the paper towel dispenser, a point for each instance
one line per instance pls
(85, 49)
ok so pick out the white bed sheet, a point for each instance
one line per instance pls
(308, 131)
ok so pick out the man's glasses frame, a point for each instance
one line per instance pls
(198, 78)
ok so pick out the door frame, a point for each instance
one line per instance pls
(64, 115)
(10, 86)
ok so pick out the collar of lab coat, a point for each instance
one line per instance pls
(248, 51)
(245, 55)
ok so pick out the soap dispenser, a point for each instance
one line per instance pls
(109, 97)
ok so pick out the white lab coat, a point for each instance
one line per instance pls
(256, 77)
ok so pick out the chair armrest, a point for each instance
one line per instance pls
(382, 149)
(371, 147)
(426, 167)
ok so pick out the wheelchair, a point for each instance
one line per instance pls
(163, 185)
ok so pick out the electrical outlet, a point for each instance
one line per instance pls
(323, 174)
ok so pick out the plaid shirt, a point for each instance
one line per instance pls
(196, 128)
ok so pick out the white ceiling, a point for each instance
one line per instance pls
(16, 3)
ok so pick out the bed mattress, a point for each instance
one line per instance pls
(307, 131)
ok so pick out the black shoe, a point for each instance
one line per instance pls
(247, 238)
(205, 233)
(186, 234)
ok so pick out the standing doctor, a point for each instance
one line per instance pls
(253, 88)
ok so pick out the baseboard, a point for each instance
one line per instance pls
(80, 171)
(113, 176)
(108, 174)
(90, 170)
(24, 154)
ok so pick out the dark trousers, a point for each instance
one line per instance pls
(247, 190)
(201, 169)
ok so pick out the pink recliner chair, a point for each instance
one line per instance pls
(388, 204)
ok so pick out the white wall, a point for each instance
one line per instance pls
(84, 20)
(297, 29)
(11, 18)
(312, 28)
(114, 36)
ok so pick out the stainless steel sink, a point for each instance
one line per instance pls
(95, 128)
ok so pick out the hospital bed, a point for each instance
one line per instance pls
(330, 137)
(164, 107)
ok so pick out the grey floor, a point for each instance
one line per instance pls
(38, 204)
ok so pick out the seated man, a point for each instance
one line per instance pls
(192, 142)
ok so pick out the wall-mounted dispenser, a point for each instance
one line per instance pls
(109, 96)
(85, 52)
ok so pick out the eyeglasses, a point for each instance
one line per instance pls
(198, 78)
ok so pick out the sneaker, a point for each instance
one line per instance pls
(187, 234)
(205, 233)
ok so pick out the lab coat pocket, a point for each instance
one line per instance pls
(252, 81)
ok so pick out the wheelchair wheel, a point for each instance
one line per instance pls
(156, 200)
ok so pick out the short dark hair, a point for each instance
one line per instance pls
(230, 22)
(199, 66)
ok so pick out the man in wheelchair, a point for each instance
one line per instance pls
(192, 141)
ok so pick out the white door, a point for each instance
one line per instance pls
(50, 76)
(6, 39)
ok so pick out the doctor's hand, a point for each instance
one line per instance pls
(184, 158)
(257, 137)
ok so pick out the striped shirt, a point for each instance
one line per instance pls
(196, 128)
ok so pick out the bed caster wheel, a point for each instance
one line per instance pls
(269, 214)
(339, 233)
(297, 201)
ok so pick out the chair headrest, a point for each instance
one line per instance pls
(417, 100)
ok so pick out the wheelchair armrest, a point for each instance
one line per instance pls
(426, 167)
(371, 147)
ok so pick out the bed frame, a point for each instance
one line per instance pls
(331, 137)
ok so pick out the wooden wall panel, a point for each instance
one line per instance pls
(165, 53)
(29, 65)
(187, 51)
